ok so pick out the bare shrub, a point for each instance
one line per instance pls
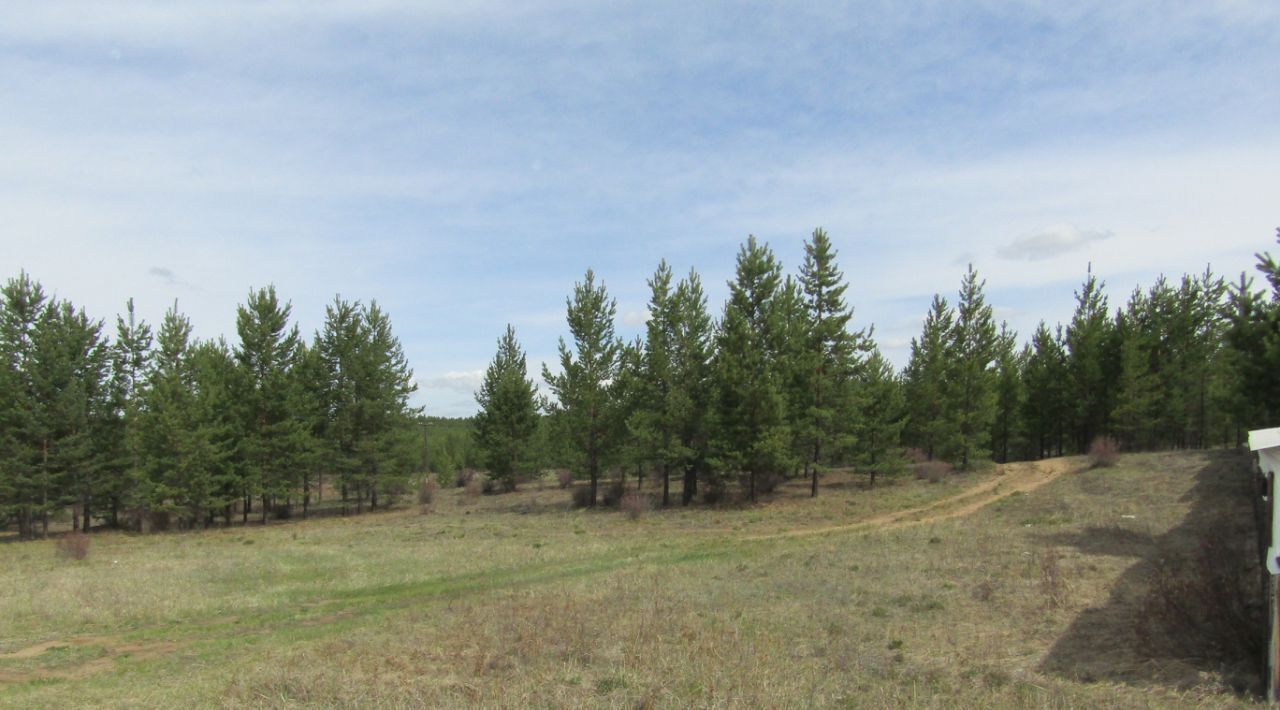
(715, 494)
(475, 485)
(1053, 586)
(464, 477)
(1205, 604)
(769, 482)
(490, 485)
(612, 494)
(915, 455)
(635, 504)
(564, 477)
(74, 545)
(933, 471)
(427, 494)
(581, 495)
(1104, 452)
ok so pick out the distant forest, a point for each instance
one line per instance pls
(147, 429)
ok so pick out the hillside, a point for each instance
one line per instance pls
(1025, 585)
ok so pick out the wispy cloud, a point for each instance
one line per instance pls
(164, 274)
(1051, 242)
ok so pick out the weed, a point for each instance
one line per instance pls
(1053, 586)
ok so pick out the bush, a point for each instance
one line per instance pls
(714, 494)
(281, 511)
(915, 455)
(74, 545)
(612, 494)
(465, 477)
(1104, 452)
(564, 477)
(581, 495)
(475, 485)
(427, 494)
(933, 471)
(769, 482)
(490, 485)
(635, 504)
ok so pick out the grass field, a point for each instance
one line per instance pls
(1020, 586)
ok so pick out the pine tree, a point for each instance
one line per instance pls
(653, 423)
(167, 420)
(1086, 339)
(584, 402)
(753, 435)
(692, 393)
(972, 390)
(388, 444)
(266, 349)
(831, 356)
(508, 416)
(130, 370)
(929, 426)
(1045, 408)
(880, 420)
(24, 307)
(1006, 424)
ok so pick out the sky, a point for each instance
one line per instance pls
(463, 164)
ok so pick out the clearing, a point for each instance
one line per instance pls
(1028, 584)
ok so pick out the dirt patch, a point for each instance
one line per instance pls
(114, 649)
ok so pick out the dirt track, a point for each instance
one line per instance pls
(1008, 479)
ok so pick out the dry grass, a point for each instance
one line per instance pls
(702, 608)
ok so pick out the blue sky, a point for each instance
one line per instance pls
(464, 163)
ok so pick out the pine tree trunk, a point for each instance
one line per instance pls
(666, 485)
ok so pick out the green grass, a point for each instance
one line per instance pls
(516, 601)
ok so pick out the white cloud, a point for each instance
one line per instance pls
(457, 381)
(1051, 242)
(636, 318)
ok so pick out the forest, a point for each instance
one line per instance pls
(151, 429)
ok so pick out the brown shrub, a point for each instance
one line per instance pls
(427, 494)
(916, 455)
(1104, 452)
(933, 471)
(74, 545)
(635, 504)
(612, 494)
(715, 494)
(464, 477)
(581, 495)
(475, 485)
(564, 477)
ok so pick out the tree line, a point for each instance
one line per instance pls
(157, 428)
(781, 385)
